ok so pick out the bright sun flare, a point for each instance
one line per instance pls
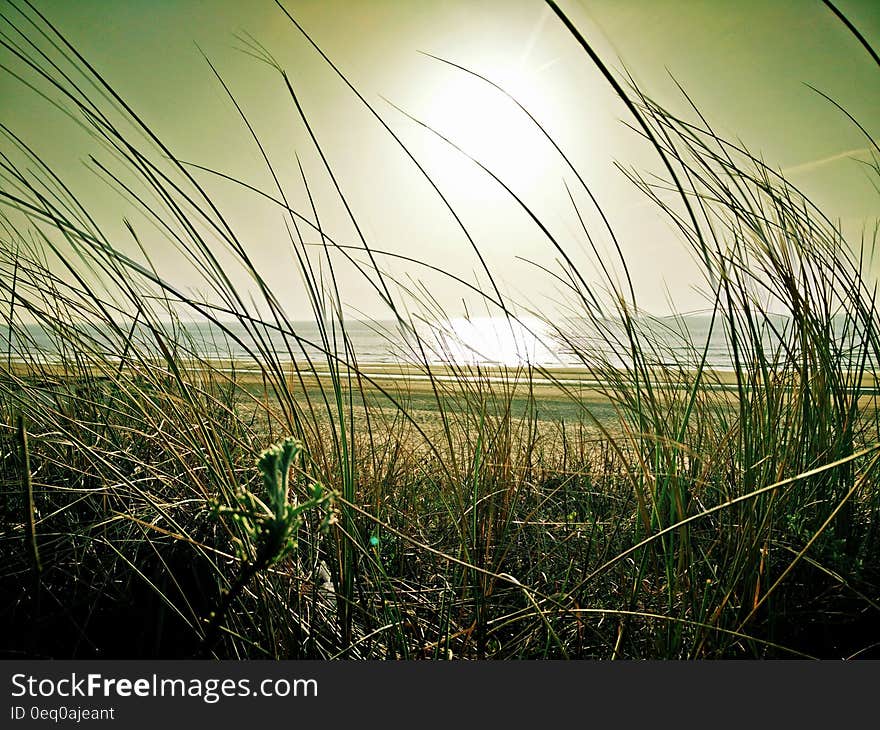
(495, 341)
(488, 126)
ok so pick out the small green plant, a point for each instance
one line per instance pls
(268, 527)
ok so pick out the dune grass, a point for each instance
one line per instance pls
(677, 512)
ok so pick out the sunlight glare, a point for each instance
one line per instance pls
(489, 127)
(495, 341)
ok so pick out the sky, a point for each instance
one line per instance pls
(747, 65)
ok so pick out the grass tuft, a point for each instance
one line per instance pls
(644, 504)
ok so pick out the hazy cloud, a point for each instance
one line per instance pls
(815, 164)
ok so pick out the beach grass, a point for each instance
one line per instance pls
(639, 505)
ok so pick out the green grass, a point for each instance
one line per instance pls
(683, 516)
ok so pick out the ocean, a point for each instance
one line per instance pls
(475, 341)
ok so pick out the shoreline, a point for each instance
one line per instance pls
(569, 383)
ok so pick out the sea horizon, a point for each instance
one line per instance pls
(480, 341)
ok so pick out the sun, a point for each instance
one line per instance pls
(488, 126)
